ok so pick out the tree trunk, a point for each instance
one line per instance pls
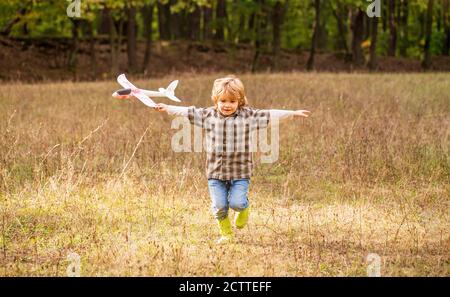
(147, 13)
(404, 28)
(72, 62)
(323, 36)
(176, 24)
(421, 19)
(164, 21)
(25, 30)
(113, 43)
(279, 12)
(342, 29)
(103, 27)
(367, 26)
(221, 19)
(315, 36)
(373, 63)
(446, 23)
(182, 25)
(207, 18)
(92, 44)
(392, 29)
(426, 64)
(241, 32)
(131, 39)
(438, 19)
(357, 37)
(384, 15)
(257, 22)
(251, 21)
(194, 23)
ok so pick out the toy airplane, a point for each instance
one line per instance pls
(144, 95)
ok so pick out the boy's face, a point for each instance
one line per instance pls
(227, 105)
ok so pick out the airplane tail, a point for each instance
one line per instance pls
(172, 86)
(170, 91)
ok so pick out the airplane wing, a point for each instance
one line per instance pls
(123, 81)
(173, 98)
(140, 94)
(144, 99)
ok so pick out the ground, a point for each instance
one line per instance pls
(46, 59)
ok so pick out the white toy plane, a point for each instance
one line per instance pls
(144, 95)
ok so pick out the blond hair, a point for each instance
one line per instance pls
(229, 86)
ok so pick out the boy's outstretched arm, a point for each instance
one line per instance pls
(172, 109)
(282, 114)
(196, 116)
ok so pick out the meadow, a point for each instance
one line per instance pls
(368, 172)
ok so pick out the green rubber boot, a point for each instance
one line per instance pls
(226, 232)
(241, 218)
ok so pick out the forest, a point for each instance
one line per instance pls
(413, 29)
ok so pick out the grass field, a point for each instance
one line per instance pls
(368, 172)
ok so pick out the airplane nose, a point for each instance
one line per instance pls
(124, 92)
(118, 96)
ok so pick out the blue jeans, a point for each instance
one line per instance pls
(227, 194)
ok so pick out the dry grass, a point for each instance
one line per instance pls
(368, 172)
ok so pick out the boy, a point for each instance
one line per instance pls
(229, 125)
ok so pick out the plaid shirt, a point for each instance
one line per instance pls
(230, 140)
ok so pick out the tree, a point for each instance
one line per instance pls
(131, 38)
(408, 27)
(404, 27)
(193, 20)
(340, 12)
(221, 19)
(392, 29)
(177, 27)
(357, 36)
(115, 41)
(259, 19)
(446, 23)
(92, 45)
(279, 11)
(90, 13)
(207, 20)
(164, 23)
(426, 64)
(315, 36)
(147, 13)
(373, 62)
(23, 9)
(72, 61)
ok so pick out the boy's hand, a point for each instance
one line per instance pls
(161, 107)
(302, 113)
